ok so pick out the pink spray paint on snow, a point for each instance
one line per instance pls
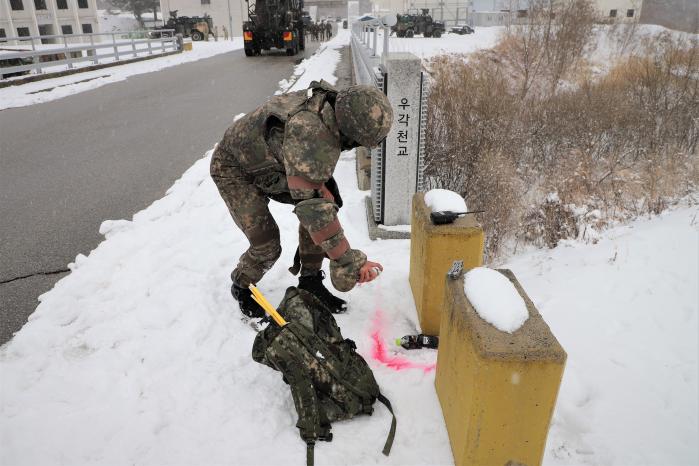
(380, 353)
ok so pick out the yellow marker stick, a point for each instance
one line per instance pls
(269, 309)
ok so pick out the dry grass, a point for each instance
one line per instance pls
(504, 133)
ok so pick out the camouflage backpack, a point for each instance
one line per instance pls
(329, 380)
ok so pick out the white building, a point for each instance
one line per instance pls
(229, 13)
(620, 10)
(20, 18)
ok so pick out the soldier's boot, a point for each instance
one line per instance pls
(248, 306)
(314, 284)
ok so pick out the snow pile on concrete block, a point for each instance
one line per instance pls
(495, 299)
(443, 199)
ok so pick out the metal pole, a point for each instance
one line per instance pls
(133, 47)
(94, 51)
(68, 57)
(36, 58)
(150, 49)
(376, 39)
(116, 49)
(230, 19)
(386, 32)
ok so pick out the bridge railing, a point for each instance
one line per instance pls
(101, 47)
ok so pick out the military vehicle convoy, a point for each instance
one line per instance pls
(274, 24)
(418, 22)
(196, 27)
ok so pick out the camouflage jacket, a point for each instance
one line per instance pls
(282, 139)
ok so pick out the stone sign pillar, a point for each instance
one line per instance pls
(400, 167)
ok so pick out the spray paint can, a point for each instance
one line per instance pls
(418, 341)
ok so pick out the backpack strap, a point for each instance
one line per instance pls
(309, 453)
(316, 96)
(391, 433)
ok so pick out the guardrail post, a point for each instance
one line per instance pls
(133, 47)
(150, 49)
(36, 59)
(94, 51)
(68, 57)
(180, 42)
(376, 37)
(386, 34)
(116, 49)
(497, 390)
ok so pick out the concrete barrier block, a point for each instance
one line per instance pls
(497, 390)
(433, 249)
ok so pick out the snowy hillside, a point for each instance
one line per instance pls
(139, 356)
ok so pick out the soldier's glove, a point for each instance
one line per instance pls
(319, 217)
(344, 271)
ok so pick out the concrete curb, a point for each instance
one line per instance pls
(41, 77)
(377, 233)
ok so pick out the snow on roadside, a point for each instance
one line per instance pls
(139, 355)
(326, 58)
(428, 47)
(51, 89)
(625, 310)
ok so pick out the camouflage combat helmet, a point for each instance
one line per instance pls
(363, 114)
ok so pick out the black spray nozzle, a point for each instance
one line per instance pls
(444, 217)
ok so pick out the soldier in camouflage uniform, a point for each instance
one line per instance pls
(286, 151)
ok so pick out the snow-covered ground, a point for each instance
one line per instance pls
(139, 356)
(612, 43)
(56, 88)
(625, 310)
(124, 21)
(427, 47)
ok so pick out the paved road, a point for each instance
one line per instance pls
(67, 165)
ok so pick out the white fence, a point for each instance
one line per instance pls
(101, 48)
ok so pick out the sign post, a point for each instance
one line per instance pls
(400, 165)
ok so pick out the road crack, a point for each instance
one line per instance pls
(22, 277)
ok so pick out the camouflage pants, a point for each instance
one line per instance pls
(248, 206)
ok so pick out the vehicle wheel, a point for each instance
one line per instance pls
(409, 33)
(427, 34)
(437, 34)
(400, 33)
(249, 52)
(290, 52)
(197, 36)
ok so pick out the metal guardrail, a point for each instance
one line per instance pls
(368, 70)
(119, 49)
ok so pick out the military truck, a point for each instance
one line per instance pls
(274, 24)
(196, 27)
(418, 22)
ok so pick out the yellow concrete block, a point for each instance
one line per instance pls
(497, 390)
(186, 46)
(433, 249)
